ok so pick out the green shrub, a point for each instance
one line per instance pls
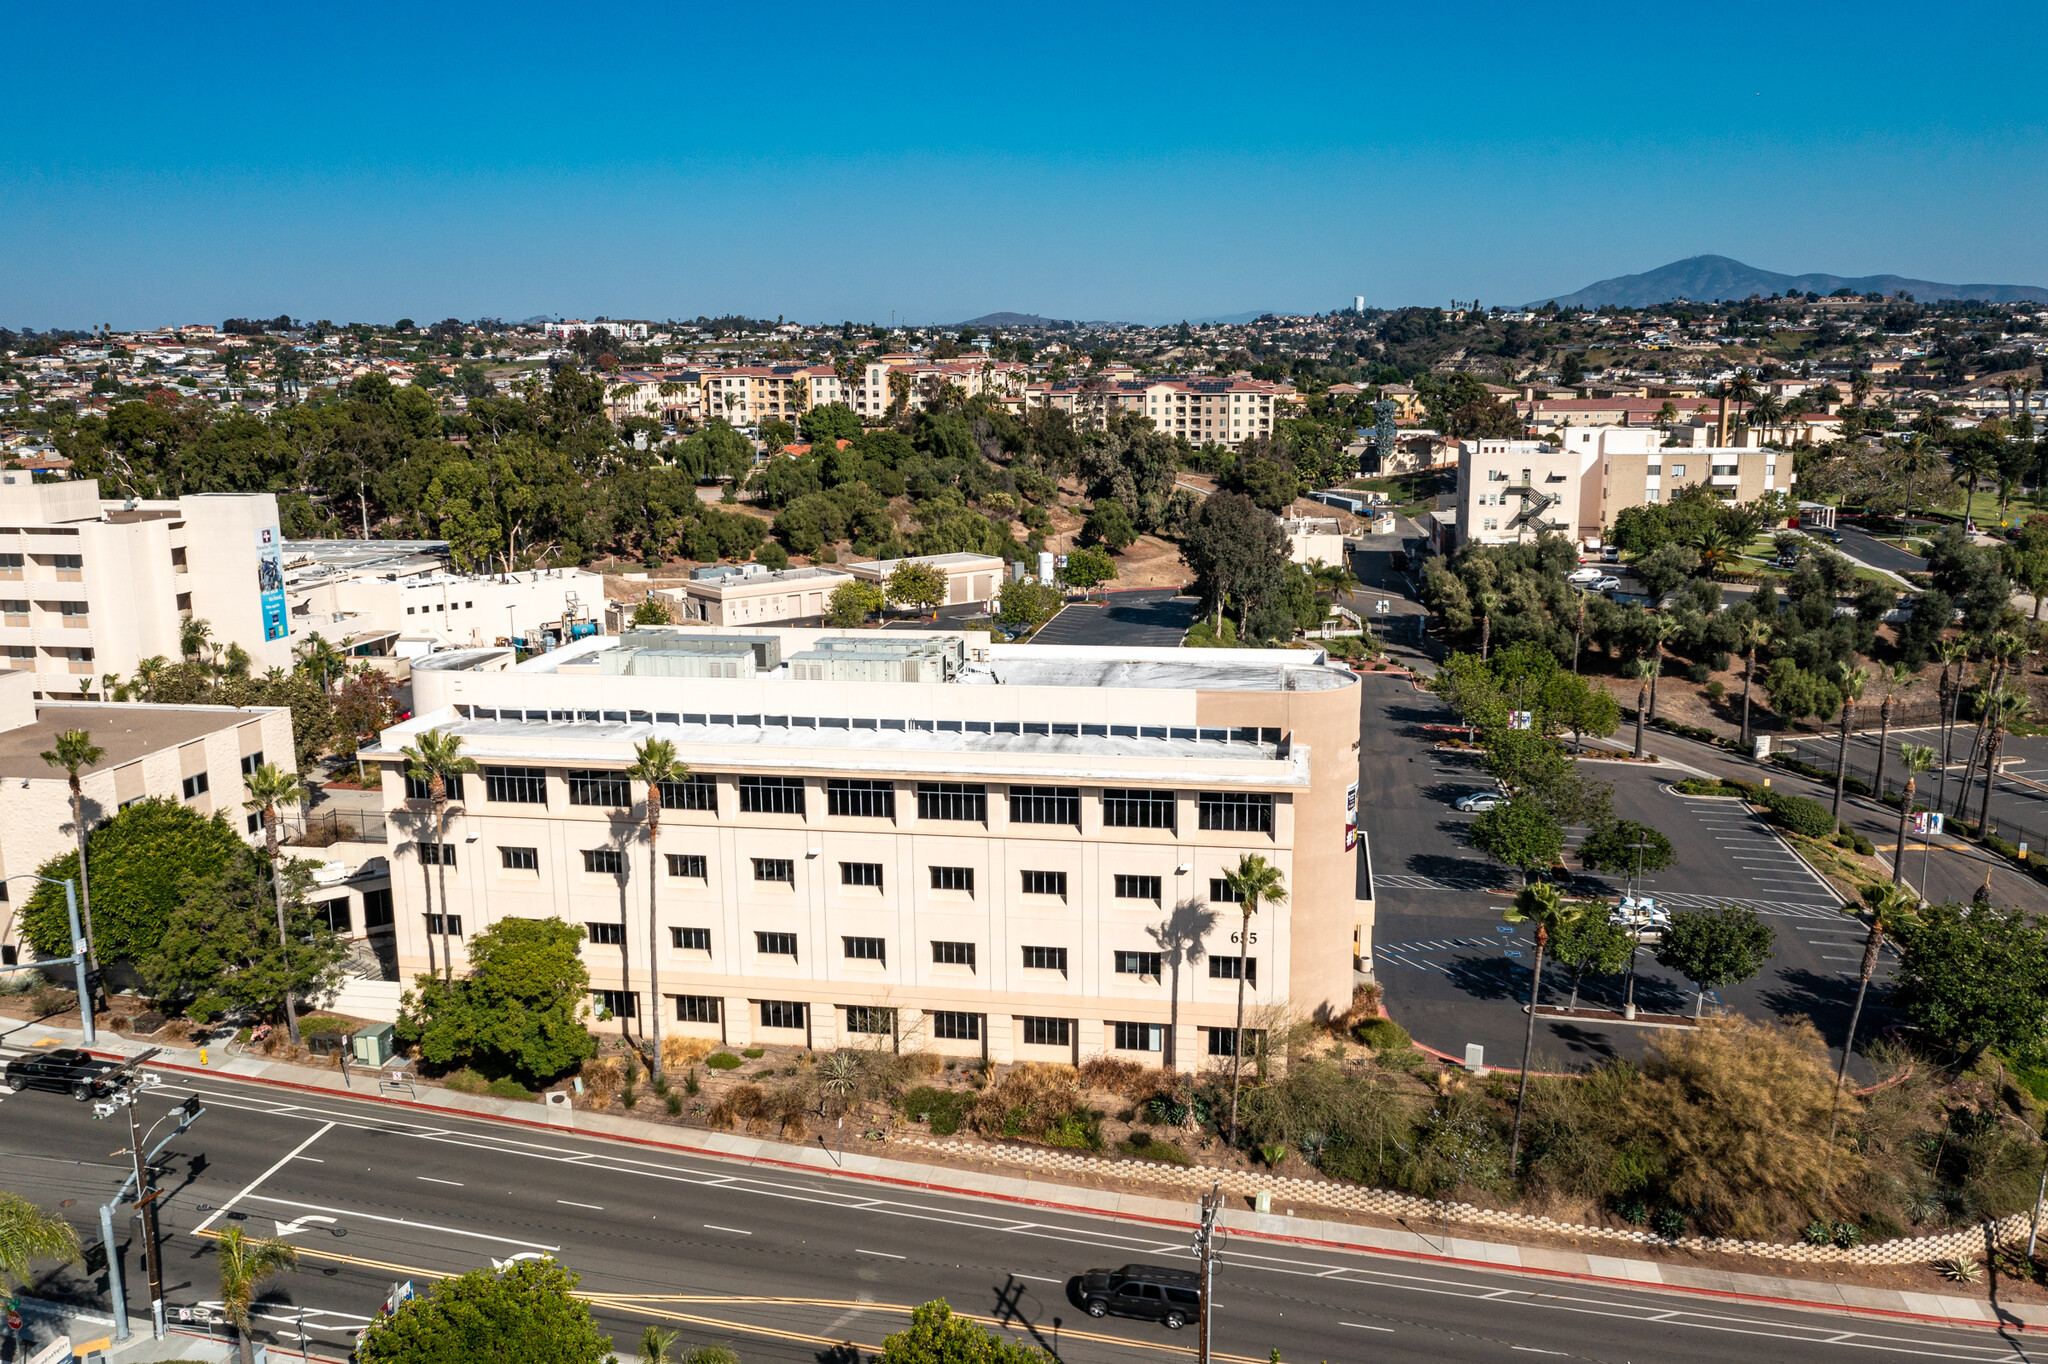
(754, 1053)
(1668, 1223)
(1698, 673)
(675, 1103)
(465, 1081)
(1719, 662)
(1273, 1153)
(1847, 1234)
(1382, 1034)
(508, 1088)
(1079, 1130)
(691, 1084)
(722, 1060)
(944, 1109)
(1818, 1233)
(1152, 1148)
(629, 1096)
(1797, 813)
(1699, 786)
(1717, 689)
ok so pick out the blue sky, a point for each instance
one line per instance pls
(187, 163)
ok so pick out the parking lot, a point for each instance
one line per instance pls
(1152, 618)
(1454, 974)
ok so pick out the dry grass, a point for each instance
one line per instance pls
(678, 1052)
(1026, 1101)
(603, 1078)
(1125, 1079)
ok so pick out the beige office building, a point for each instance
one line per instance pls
(749, 594)
(1019, 856)
(90, 586)
(969, 577)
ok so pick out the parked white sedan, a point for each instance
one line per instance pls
(1579, 577)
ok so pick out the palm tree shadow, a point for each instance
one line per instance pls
(1489, 977)
(1179, 938)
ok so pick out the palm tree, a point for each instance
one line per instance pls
(655, 1344)
(1896, 679)
(1763, 414)
(2001, 707)
(654, 763)
(1253, 880)
(269, 787)
(1751, 636)
(28, 1234)
(1954, 653)
(75, 750)
(244, 1264)
(1849, 682)
(433, 758)
(1646, 670)
(1890, 909)
(1999, 650)
(146, 673)
(1546, 908)
(193, 636)
(1917, 758)
(1973, 464)
(1715, 549)
(320, 657)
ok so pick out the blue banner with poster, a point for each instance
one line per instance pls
(270, 583)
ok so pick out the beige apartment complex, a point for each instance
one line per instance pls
(91, 586)
(1018, 856)
(1225, 410)
(195, 754)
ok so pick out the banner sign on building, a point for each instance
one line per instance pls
(1351, 818)
(270, 583)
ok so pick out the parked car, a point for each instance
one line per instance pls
(1610, 555)
(66, 1070)
(1479, 802)
(1148, 1292)
(1610, 583)
(1834, 537)
(1582, 576)
(1642, 916)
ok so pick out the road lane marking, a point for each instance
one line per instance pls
(1040, 1278)
(431, 1180)
(1361, 1326)
(401, 1222)
(713, 1226)
(1531, 1349)
(572, 1203)
(882, 1253)
(260, 1178)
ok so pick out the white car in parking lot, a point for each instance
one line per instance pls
(1579, 577)
(1479, 802)
(1642, 916)
(1606, 584)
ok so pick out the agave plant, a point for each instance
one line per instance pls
(1960, 1270)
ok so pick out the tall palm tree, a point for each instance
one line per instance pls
(1916, 758)
(1973, 464)
(1954, 654)
(1751, 636)
(28, 1234)
(193, 636)
(75, 751)
(1545, 907)
(1850, 683)
(146, 673)
(243, 1264)
(1764, 412)
(269, 787)
(1892, 908)
(1252, 881)
(1715, 549)
(1646, 670)
(2001, 707)
(433, 758)
(1896, 678)
(1999, 651)
(654, 763)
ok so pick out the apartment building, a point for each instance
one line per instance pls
(1225, 411)
(1632, 478)
(90, 587)
(1019, 855)
(195, 754)
(403, 595)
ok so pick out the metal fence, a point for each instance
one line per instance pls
(319, 829)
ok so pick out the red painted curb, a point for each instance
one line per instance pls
(1717, 1294)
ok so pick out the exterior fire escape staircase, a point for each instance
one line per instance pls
(1535, 502)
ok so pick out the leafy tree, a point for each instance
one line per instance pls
(28, 1234)
(74, 752)
(1664, 568)
(1086, 568)
(243, 1265)
(1232, 547)
(852, 603)
(936, 1336)
(1591, 944)
(829, 423)
(527, 1311)
(776, 433)
(1715, 947)
(1520, 833)
(1026, 606)
(1612, 847)
(914, 584)
(652, 610)
(1109, 524)
(221, 949)
(518, 1012)
(141, 859)
(1974, 977)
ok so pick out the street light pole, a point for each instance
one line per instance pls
(1205, 1246)
(81, 950)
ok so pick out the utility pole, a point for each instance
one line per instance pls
(129, 1081)
(1205, 1246)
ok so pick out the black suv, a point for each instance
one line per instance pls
(66, 1070)
(1172, 1296)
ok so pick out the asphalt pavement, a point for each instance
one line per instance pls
(799, 1266)
(1142, 618)
(1867, 549)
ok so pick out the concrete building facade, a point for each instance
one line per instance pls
(969, 577)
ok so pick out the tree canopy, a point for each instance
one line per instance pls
(525, 1311)
(518, 1012)
(142, 861)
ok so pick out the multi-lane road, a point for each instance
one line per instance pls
(796, 1266)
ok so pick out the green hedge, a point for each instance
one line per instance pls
(944, 1109)
(1797, 813)
(722, 1060)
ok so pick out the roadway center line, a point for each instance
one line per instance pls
(1361, 1326)
(431, 1180)
(572, 1203)
(1037, 1277)
(882, 1253)
(1531, 1349)
(713, 1226)
(260, 1178)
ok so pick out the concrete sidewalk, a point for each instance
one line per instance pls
(1052, 1193)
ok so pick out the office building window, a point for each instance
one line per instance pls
(195, 785)
(1046, 805)
(437, 854)
(690, 866)
(377, 908)
(865, 949)
(953, 878)
(415, 789)
(617, 1003)
(1138, 809)
(1137, 1037)
(516, 785)
(775, 944)
(952, 800)
(520, 859)
(252, 823)
(869, 1020)
(606, 934)
(953, 954)
(697, 1008)
(781, 1013)
(861, 799)
(771, 795)
(252, 761)
(956, 1027)
(690, 939)
(1221, 892)
(334, 913)
(1046, 959)
(1137, 964)
(1137, 887)
(445, 925)
(1225, 968)
(604, 861)
(608, 789)
(1223, 1041)
(779, 870)
(861, 874)
(694, 792)
(1235, 812)
(1046, 1032)
(1045, 883)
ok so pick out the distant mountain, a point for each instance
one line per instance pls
(1709, 279)
(1006, 320)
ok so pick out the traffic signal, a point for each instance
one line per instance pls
(95, 1258)
(190, 1108)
